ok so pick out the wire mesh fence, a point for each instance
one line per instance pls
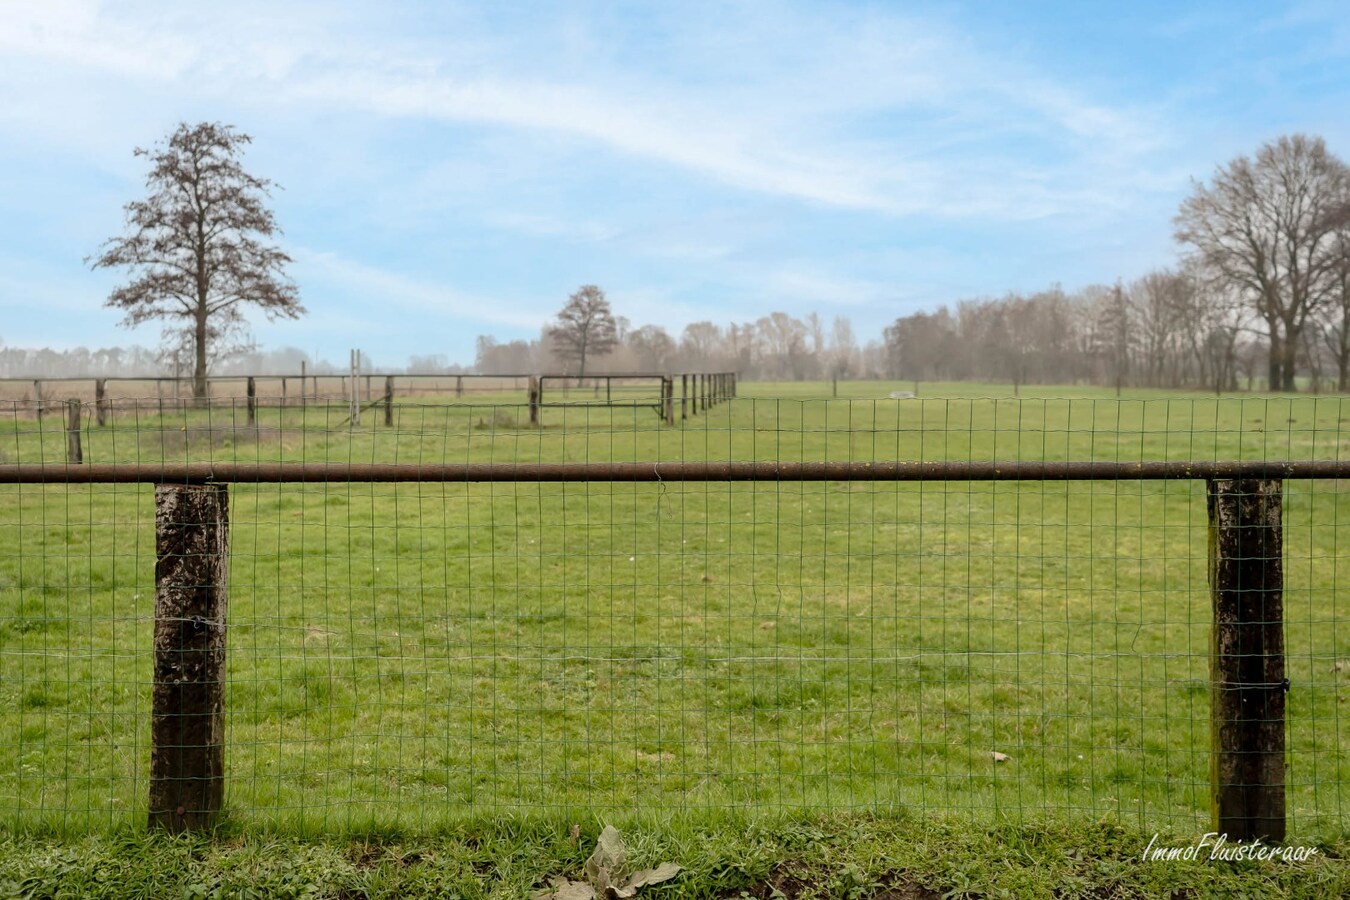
(405, 654)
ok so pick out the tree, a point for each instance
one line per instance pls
(585, 328)
(1336, 327)
(197, 245)
(1266, 227)
(653, 348)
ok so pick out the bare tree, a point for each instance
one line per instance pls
(843, 348)
(1266, 226)
(197, 245)
(653, 348)
(585, 328)
(1335, 325)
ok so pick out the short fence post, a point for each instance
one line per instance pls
(74, 452)
(37, 396)
(187, 726)
(389, 400)
(533, 390)
(684, 396)
(101, 401)
(668, 396)
(459, 385)
(1247, 682)
(302, 385)
(252, 403)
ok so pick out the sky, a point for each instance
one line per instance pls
(448, 170)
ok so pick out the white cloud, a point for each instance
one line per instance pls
(778, 112)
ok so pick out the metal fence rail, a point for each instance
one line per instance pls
(366, 627)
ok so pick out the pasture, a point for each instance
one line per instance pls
(411, 656)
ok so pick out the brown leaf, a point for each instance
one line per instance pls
(1000, 757)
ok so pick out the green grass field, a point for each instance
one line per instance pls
(406, 657)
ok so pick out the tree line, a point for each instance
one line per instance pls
(1261, 294)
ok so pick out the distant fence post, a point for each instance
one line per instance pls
(668, 398)
(101, 401)
(533, 390)
(1247, 682)
(684, 396)
(74, 452)
(252, 402)
(37, 397)
(354, 417)
(389, 400)
(302, 385)
(187, 726)
(459, 385)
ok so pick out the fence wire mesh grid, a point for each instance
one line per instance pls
(405, 654)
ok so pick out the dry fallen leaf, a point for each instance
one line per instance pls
(574, 833)
(606, 873)
(1000, 757)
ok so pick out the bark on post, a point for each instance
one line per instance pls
(101, 401)
(389, 400)
(252, 402)
(74, 452)
(187, 728)
(1247, 767)
(533, 390)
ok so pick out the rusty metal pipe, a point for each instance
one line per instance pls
(276, 472)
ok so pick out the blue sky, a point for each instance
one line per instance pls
(451, 169)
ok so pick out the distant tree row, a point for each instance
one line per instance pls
(1166, 329)
(1265, 274)
(774, 347)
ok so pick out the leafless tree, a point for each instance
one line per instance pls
(843, 348)
(1334, 324)
(197, 245)
(1265, 225)
(653, 349)
(585, 328)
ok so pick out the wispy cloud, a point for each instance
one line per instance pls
(760, 123)
(386, 289)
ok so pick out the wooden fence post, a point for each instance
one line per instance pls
(533, 390)
(101, 401)
(252, 402)
(187, 725)
(389, 400)
(459, 385)
(74, 452)
(1247, 681)
(684, 396)
(37, 396)
(668, 396)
